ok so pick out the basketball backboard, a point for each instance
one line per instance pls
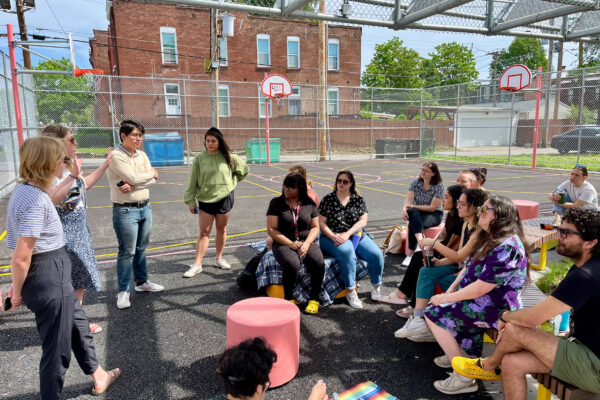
(276, 86)
(516, 77)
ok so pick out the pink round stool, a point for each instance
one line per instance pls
(278, 321)
(427, 232)
(527, 209)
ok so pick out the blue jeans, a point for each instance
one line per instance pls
(419, 220)
(345, 254)
(560, 209)
(132, 226)
(442, 275)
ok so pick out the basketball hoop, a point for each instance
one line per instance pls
(515, 78)
(87, 71)
(279, 98)
(510, 89)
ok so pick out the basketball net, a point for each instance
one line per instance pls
(279, 98)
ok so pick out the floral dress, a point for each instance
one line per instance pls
(466, 320)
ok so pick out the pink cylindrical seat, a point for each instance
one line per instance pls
(527, 209)
(278, 321)
(427, 232)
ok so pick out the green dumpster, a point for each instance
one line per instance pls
(256, 150)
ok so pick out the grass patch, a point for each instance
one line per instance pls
(93, 150)
(555, 273)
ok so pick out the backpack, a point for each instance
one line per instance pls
(246, 279)
(395, 240)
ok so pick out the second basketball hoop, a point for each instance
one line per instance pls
(276, 86)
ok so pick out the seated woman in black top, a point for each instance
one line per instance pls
(293, 223)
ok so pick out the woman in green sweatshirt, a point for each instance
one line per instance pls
(215, 174)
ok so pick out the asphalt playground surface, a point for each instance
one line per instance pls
(166, 343)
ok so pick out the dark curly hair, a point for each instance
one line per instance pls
(587, 223)
(245, 366)
(480, 174)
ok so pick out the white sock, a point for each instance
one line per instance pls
(463, 378)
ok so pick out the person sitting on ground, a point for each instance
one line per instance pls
(490, 283)
(343, 219)
(450, 237)
(423, 205)
(480, 174)
(244, 370)
(523, 349)
(293, 224)
(466, 178)
(444, 273)
(578, 193)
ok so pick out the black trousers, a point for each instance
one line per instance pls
(418, 221)
(61, 322)
(289, 260)
(408, 286)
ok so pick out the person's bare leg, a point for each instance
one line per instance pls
(221, 237)
(445, 340)
(419, 236)
(205, 222)
(79, 294)
(101, 377)
(515, 367)
(421, 304)
(319, 391)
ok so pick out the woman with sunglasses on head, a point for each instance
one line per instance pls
(490, 284)
(343, 218)
(576, 192)
(41, 270)
(293, 224)
(423, 205)
(214, 176)
(69, 195)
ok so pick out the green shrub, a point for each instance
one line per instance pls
(555, 273)
(94, 137)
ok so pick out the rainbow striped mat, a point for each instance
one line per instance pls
(366, 391)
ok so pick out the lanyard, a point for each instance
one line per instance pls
(295, 218)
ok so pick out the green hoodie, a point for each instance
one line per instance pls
(211, 179)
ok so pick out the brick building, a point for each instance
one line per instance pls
(169, 44)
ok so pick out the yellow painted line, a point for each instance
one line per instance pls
(264, 187)
(5, 266)
(514, 191)
(6, 274)
(181, 201)
(157, 183)
(381, 190)
(3, 234)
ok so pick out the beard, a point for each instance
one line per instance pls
(573, 253)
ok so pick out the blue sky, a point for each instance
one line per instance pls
(80, 17)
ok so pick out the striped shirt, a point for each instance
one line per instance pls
(30, 213)
(424, 197)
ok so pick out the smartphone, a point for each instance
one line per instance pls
(120, 183)
(195, 210)
(547, 227)
(7, 304)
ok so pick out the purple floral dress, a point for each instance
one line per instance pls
(506, 266)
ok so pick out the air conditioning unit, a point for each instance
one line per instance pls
(29, 3)
(5, 5)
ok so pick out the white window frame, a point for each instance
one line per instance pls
(168, 30)
(295, 39)
(295, 97)
(337, 100)
(223, 52)
(171, 96)
(221, 103)
(261, 104)
(329, 57)
(267, 37)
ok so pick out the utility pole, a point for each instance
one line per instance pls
(214, 69)
(580, 55)
(322, 97)
(23, 33)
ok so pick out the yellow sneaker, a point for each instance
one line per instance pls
(312, 307)
(294, 301)
(471, 368)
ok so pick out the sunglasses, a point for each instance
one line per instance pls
(580, 166)
(564, 232)
(483, 209)
(343, 181)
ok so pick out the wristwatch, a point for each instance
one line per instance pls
(500, 316)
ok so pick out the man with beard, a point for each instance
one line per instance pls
(523, 349)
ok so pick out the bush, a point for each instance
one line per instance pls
(556, 272)
(94, 137)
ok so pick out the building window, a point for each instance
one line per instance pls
(224, 110)
(263, 46)
(570, 96)
(172, 100)
(261, 105)
(333, 101)
(333, 54)
(597, 93)
(223, 52)
(168, 42)
(293, 51)
(294, 101)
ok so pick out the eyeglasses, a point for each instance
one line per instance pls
(426, 170)
(72, 140)
(483, 209)
(461, 204)
(137, 135)
(564, 232)
(343, 181)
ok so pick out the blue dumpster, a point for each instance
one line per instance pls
(164, 148)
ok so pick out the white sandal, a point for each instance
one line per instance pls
(405, 312)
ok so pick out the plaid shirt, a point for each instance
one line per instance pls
(269, 272)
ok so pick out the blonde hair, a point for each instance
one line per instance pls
(58, 131)
(299, 169)
(40, 157)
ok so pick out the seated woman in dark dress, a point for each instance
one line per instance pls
(293, 224)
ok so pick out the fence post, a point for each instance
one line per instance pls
(421, 125)
(15, 149)
(258, 104)
(456, 120)
(316, 99)
(512, 105)
(371, 147)
(581, 121)
(24, 100)
(112, 111)
(187, 136)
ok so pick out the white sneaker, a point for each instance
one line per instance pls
(353, 300)
(413, 326)
(406, 261)
(123, 300)
(149, 287)
(442, 361)
(222, 263)
(426, 337)
(194, 269)
(376, 293)
(454, 384)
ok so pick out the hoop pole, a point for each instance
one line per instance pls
(267, 127)
(15, 82)
(537, 116)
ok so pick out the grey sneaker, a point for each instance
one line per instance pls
(413, 326)
(442, 361)
(353, 300)
(149, 287)
(194, 269)
(455, 385)
(222, 263)
(123, 300)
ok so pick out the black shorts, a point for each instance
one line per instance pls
(220, 207)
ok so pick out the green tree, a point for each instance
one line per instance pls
(451, 63)
(63, 98)
(588, 115)
(522, 50)
(393, 66)
(591, 55)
